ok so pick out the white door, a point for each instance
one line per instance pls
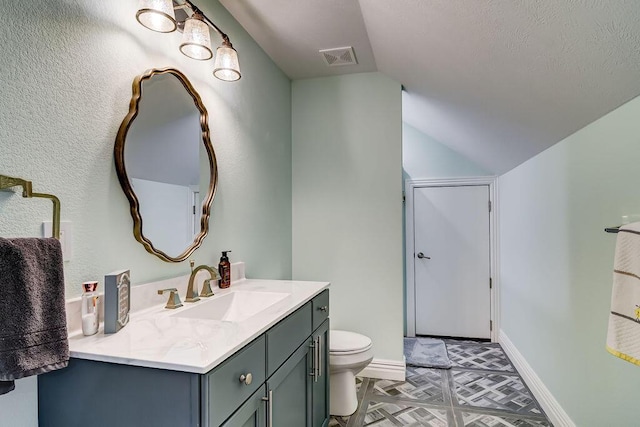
(452, 261)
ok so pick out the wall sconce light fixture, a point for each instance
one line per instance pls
(160, 16)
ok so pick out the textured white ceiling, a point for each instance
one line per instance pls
(496, 80)
(292, 31)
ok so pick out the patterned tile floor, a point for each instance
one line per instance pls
(482, 389)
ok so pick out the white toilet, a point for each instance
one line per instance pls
(349, 353)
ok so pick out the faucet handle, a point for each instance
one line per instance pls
(206, 289)
(174, 298)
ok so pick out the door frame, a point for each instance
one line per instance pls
(410, 185)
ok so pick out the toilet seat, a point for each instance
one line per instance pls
(343, 343)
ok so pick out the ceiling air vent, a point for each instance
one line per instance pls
(339, 56)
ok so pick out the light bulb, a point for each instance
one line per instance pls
(227, 66)
(157, 15)
(196, 40)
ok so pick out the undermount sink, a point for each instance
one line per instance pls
(232, 307)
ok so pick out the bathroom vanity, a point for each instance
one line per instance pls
(190, 368)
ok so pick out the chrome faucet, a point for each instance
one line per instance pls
(192, 294)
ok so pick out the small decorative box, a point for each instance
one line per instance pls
(117, 301)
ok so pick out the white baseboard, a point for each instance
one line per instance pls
(384, 369)
(549, 404)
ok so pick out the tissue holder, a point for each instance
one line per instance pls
(117, 301)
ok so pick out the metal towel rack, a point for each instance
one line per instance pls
(27, 192)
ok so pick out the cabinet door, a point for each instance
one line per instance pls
(289, 391)
(252, 413)
(320, 366)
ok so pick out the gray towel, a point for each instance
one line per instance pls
(33, 325)
(427, 353)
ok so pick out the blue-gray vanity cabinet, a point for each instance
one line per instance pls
(289, 367)
(298, 390)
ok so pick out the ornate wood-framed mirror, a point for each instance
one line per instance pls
(166, 164)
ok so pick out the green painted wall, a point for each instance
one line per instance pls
(556, 264)
(67, 69)
(424, 157)
(347, 201)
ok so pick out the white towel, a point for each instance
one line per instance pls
(623, 337)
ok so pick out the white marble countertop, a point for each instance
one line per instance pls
(158, 338)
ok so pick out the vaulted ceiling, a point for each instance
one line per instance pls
(496, 80)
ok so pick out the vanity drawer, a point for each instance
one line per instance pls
(320, 308)
(286, 336)
(223, 391)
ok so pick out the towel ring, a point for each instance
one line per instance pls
(27, 192)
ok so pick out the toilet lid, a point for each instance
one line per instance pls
(347, 342)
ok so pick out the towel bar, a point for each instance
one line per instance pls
(27, 192)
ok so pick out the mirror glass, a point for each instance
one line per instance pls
(166, 164)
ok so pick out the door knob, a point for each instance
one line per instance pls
(421, 256)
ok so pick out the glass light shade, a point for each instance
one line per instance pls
(196, 40)
(227, 66)
(157, 15)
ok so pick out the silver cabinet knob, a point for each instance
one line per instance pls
(247, 379)
(421, 256)
(324, 308)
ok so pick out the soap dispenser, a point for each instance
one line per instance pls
(224, 268)
(89, 311)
